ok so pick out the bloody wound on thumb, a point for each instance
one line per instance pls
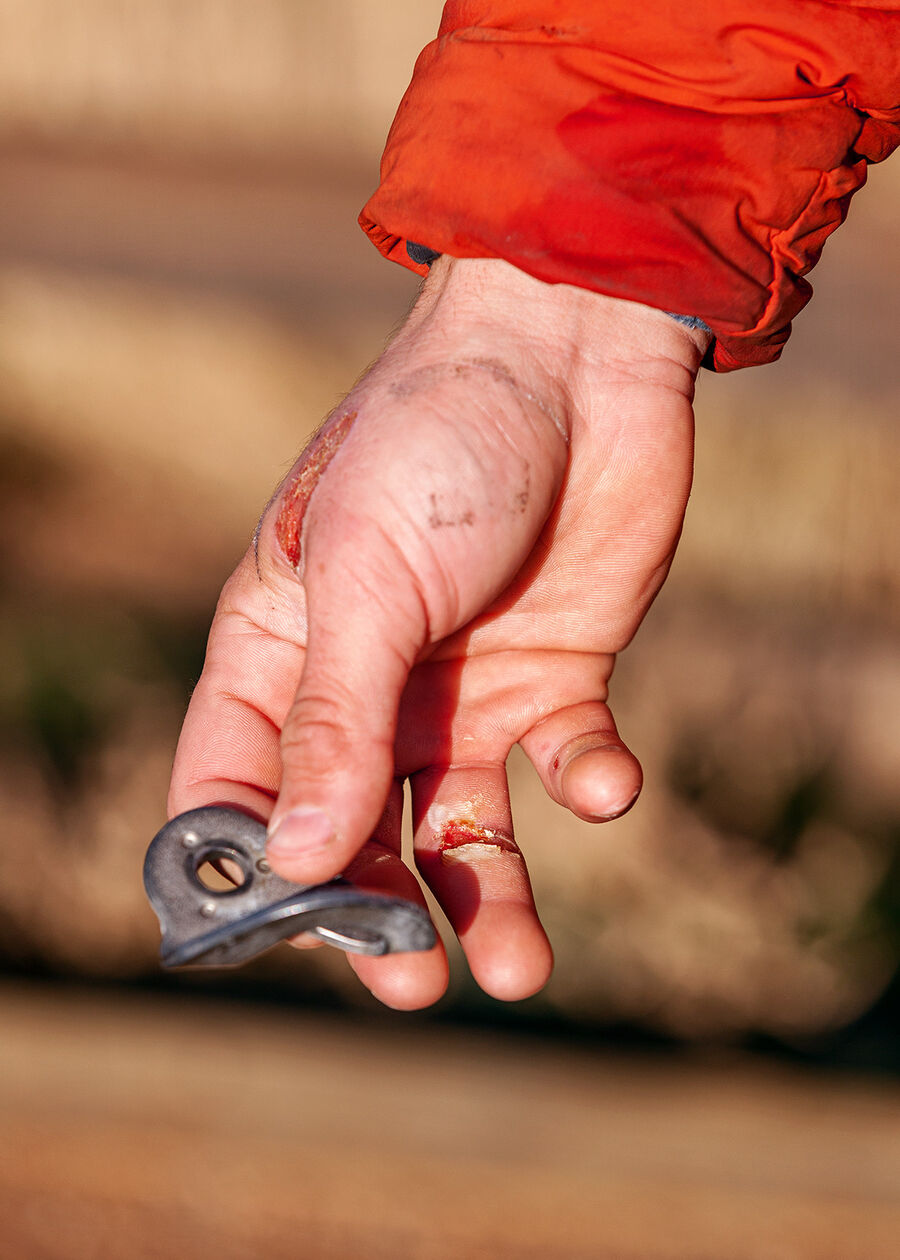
(366, 626)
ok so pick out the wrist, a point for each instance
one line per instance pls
(567, 332)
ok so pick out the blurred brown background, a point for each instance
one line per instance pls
(183, 295)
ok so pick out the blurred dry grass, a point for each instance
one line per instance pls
(183, 295)
(209, 78)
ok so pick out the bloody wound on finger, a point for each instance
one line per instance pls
(457, 835)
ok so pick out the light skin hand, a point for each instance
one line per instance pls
(450, 569)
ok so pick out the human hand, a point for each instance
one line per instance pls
(450, 569)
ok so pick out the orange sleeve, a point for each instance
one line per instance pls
(693, 155)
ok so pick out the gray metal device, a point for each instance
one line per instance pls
(223, 927)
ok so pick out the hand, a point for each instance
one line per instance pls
(450, 569)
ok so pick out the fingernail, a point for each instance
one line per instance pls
(302, 831)
(618, 812)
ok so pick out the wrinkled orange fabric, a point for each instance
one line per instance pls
(690, 155)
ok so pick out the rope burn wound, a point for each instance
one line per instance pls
(298, 493)
(460, 839)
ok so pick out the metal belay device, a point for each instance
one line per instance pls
(222, 927)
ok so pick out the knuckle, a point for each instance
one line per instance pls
(315, 734)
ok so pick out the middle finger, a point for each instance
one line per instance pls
(466, 853)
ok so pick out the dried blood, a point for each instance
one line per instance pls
(298, 493)
(456, 833)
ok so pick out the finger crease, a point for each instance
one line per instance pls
(253, 708)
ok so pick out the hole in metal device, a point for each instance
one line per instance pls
(221, 870)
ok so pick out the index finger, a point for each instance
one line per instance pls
(229, 748)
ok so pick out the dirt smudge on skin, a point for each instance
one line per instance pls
(520, 500)
(460, 841)
(298, 492)
(438, 518)
(422, 380)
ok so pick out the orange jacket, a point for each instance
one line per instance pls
(693, 155)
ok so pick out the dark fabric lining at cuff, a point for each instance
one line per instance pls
(689, 321)
(421, 254)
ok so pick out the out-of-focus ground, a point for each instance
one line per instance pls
(183, 296)
(164, 1130)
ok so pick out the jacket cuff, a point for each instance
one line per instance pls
(536, 147)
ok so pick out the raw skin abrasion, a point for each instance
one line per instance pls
(299, 491)
(459, 840)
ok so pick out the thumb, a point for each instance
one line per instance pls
(366, 625)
